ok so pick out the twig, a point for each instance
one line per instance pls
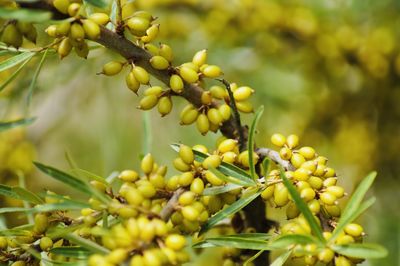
(169, 208)
(232, 103)
(275, 157)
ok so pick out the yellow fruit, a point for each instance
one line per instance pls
(227, 145)
(200, 58)
(151, 33)
(206, 98)
(354, 229)
(307, 194)
(189, 75)
(3, 242)
(278, 139)
(175, 242)
(212, 71)
(155, 90)
(61, 5)
(64, 48)
(331, 181)
(243, 93)
(214, 116)
(77, 32)
(336, 190)
(314, 206)
(203, 124)
(297, 160)
(328, 198)
(186, 179)
(212, 161)
(292, 211)
(92, 30)
(292, 141)
(153, 50)
(148, 102)
(180, 165)
(186, 153)
(281, 195)
(132, 83)
(189, 116)
(128, 176)
(82, 50)
(11, 36)
(138, 25)
(344, 240)
(117, 256)
(326, 255)
(51, 30)
(45, 243)
(197, 186)
(159, 62)
(218, 92)
(187, 198)
(307, 152)
(63, 29)
(99, 18)
(268, 192)
(285, 153)
(112, 68)
(176, 83)
(302, 174)
(229, 157)
(147, 163)
(41, 223)
(134, 197)
(225, 111)
(333, 210)
(190, 213)
(166, 52)
(315, 182)
(73, 9)
(164, 105)
(213, 179)
(141, 75)
(245, 106)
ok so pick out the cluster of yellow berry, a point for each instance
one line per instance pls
(15, 31)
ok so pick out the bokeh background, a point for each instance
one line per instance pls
(328, 71)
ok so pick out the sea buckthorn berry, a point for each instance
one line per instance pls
(112, 68)
(331, 181)
(212, 71)
(326, 255)
(117, 256)
(244, 107)
(189, 116)
(186, 153)
(302, 174)
(321, 160)
(180, 165)
(41, 223)
(197, 186)
(244, 158)
(310, 165)
(203, 124)
(45, 243)
(186, 198)
(206, 98)
(292, 211)
(50, 30)
(329, 172)
(285, 153)
(153, 50)
(225, 111)
(281, 195)
(307, 152)
(292, 141)
(320, 170)
(227, 145)
(138, 25)
(278, 139)
(99, 18)
(188, 74)
(3, 243)
(229, 157)
(128, 176)
(268, 192)
(213, 179)
(18, 263)
(218, 92)
(310, 260)
(307, 194)
(336, 190)
(166, 52)
(147, 163)
(82, 50)
(175, 242)
(147, 190)
(200, 58)
(343, 261)
(61, 5)
(214, 116)
(135, 260)
(300, 185)
(151, 33)
(164, 105)
(63, 29)
(297, 160)
(354, 230)
(186, 179)
(64, 48)
(344, 240)
(141, 75)
(333, 210)
(132, 83)
(212, 161)
(148, 102)
(190, 65)
(77, 32)
(176, 83)
(155, 90)
(328, 198)
(190, 213)
(92, 30)
(315, 182)
(159, 62)
(172, 183)
(134, 197)
(73, 9)
(314, 206)
(243, 93)
(200, 148)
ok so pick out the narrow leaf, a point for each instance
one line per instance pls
(240, 243)
(361, 250)
(8, 192)
(209, 191)
(302, 206)
(233, 208)
(266, 164)
(34, 79)
(293, 239)
(279, 261)
(12, 124)
(72, 252)
(97, 3)
(14, 75)
(87, 244)
(250, 142)
(15, 60)
(252, 258)
(89, 175)
(25, 14)
(27, 195)
(245, 182)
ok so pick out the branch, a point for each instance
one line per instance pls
(169, 208)
(275, 157)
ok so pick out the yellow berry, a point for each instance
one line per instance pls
(213, 179)
(159, 62)
(41, 223)
(314, 206)
(186, 179)
(45, 243)
(63, 29)
(138, 25)
(134, 197)
(229, 157)
(190, 213)
(326, 255)
(225, 111)
(328, 198)
(64, 48)
(344, 240)
(212, 161)
(215, 116)
(77, 32)
(307, 194)
(278, 139)
(268, 192)
(164, 105)
(92, 30)
(99, 18)
(333, 210)
(151, 33)
(281, 195)
(187, 198)
(292, 211)
(227, 145)
(343, 261)
(147, 163)
(155, 90)
(153, 50)
(61, 5)
(128, 176)
(176, 83)
(200, 58)
(175, 242)
(197, 186)
(329, 172)
(132, 83)
(112, 68)
(218, 92)
(189, 75)
(354, 229)
(315, 182)
(336, 190)
(307, 152)
(285, 153)
(180, 165)
(186, 153)
(166, 52)
(297, 160)
(302, 174)
(73, 9)
(82, 50)
(292, 141)
(245, 106)
(141, 75)
(331, 181)
(189, 116)
(117, 256)
(12, 36)
(243, 93)
(212, 71)
(148, 102)
(203, 124)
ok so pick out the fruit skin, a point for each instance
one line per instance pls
(159, 62)
(188, 75)
(354, 229)
(112, 68)
(176, 83)
(92, 29)
(175, 242)
(186, 153)
(11, 36)
(164, 105)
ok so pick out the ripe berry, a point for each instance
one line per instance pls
(328, 198)
(148, 102)
(61, 5)
(243, 93)
(166, 52)
(336, 190)
(212, 71)
(92, 30)
(138, 25)
(297, 160)
(112, 68)
(342, 261)
(212, 161)
(11, 36)
(245, 107)
(344, 239)
(307, 194)
(302, 174)
(189, 75)
(292, 141)
(64, 48)
(326, 255)
(176, 83)
(141, 75)
(164, 105)
(354, 229)
(73, 9)
(307, 152)
(190, 213)
(200, 58)
(214, 116)
(147, 163)
(197, 186)
(213, 179)
(132, 83)
(203, 124)
(99, 18)
(151, 33)
(180, 165)
(227, 145)
(175, 242)
(268, 192)
(278, 139)
(218, 92)
(281, 195)
(159, 62)
(186, 198)
(185, 179)
(77, 32)
(285, 153)
(45, 243)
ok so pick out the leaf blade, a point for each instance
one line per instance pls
(244, 182)
(250, 142)
(279, 261)
(15, 60)
(27, 195)
(364, 250)
(25, 14)
(15, 123)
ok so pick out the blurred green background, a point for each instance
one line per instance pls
(325, 70)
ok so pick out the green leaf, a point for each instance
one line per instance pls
(13, 209)
(11, 124)
(293, 239)
(243, 181)
(361, 250)
(24, 14)
(89, 175)
(15, 60)
(303, 207)
(209, 191)
(279, 261)
(252, 258)
(27, 195)
(343, 222)
(59, 206)
(87, 244)
(266, 164)
(234, 242)
(97, 3)
(8, 192)
(34, 79)
(71, 252)
(353, 205)
(225, 168)
(250, 142)
(15, 74)
(233, 208)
